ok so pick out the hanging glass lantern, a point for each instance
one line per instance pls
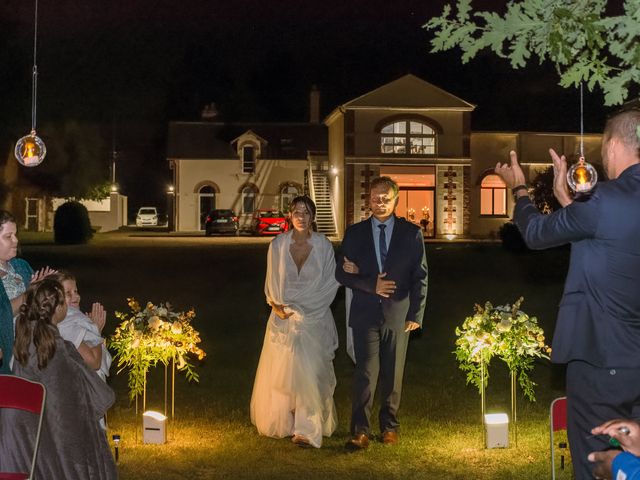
(30, 150)
(582, 177)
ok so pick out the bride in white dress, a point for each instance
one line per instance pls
(293, 389)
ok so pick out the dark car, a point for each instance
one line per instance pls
(221, 221)
(268, 222)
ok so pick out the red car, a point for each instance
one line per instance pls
(268, 222)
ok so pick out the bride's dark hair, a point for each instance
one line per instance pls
(35, 322)
(309, 205)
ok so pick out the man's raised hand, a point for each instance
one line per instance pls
(512, 173)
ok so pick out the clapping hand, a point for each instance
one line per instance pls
(279, 311)
(512, 173)
(560, 187)
(349, 267)
(385, 288)
(42, 274)
(98, 315)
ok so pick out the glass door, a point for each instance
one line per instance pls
(416, 204)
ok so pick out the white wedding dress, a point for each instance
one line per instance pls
(293, 389)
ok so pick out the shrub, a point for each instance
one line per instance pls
(71, 224)
(511, 238)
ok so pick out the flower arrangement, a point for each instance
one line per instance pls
(505, 332)
(151, 335)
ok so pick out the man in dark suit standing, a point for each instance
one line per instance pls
(383, 261)
(598, 327)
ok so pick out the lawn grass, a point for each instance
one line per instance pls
(212, 437)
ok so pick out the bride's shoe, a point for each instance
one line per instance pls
(301, 441)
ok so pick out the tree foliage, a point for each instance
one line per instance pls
(542, 191)
(77, 162)
(582, 43)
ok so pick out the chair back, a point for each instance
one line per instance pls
(557, 422)
(559, 414)
(22, 394)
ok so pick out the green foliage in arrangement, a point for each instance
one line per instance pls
(505, 332)
(582, 43)
(151, 335)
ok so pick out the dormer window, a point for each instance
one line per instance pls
(249, 147)
(248, 159)
(408, 137)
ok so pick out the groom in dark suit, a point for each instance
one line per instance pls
(598, 328)
(383, 261)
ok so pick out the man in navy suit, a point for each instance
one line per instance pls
(383, 261)
(598, 327)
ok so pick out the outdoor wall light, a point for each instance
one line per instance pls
(450, 236)
(114, 188)
(154, 427)
(334, 170)
(497, 430)
(171, 189)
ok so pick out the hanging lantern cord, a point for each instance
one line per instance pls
(581, 122)
(34, 84)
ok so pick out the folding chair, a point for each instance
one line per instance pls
(557, 422)
(22, 394)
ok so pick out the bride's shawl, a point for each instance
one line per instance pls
(72, 444)
(311, 299)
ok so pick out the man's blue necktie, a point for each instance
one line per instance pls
(383, 244)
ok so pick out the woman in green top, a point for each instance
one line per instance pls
(16, 275)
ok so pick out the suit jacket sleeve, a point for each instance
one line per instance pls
(349, 249)
(419, 281)
(574, 222)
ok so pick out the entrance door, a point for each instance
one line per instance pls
(207, 203)
(416, 204)
(31, 220)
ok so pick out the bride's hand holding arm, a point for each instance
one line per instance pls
(349, 267)
(279, 311)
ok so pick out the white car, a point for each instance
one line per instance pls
(147, 216)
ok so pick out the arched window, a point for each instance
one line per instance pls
(207, 201)
(287, 193)
(493, 196)
(408, 137)
(248, 199)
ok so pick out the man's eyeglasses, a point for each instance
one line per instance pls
(384, 200)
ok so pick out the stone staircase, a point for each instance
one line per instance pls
(324, 211)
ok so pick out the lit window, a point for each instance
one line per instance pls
(248, 199)
(408, 137)
(248, 159)
(493, 196)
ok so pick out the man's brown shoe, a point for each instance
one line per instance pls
(358, 442)
(390, 437)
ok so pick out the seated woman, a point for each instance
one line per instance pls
(16, 274)
(84, 330)
(72, 445)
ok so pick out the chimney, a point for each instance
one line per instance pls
(209, 111)
(314, 105)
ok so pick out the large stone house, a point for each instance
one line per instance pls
(409, 129)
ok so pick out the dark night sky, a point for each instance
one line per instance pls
(144, 63)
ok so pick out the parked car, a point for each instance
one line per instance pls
(268, 222)
(221, 221)
(147, 216)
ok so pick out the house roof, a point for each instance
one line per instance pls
(407, 93)
(211, 140)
